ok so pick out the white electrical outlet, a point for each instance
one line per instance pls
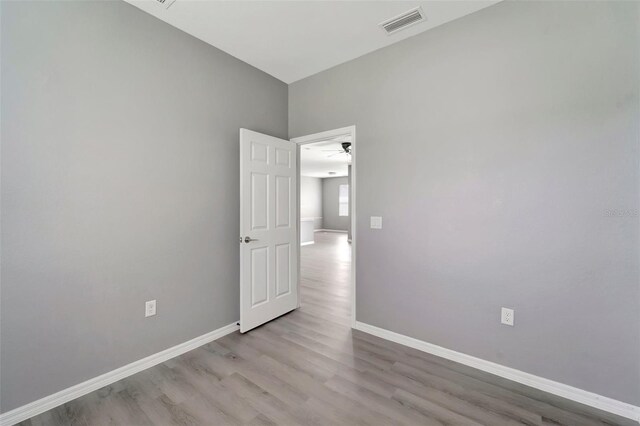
(150, 308)
(507, 316)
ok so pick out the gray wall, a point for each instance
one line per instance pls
(496, 148)
(311, 199)
(119, 185)
(330, 191)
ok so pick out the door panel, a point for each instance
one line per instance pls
(259, 275)
(259, 152)
(268, 200)
(259, 201)
(283, 269)
(283, 157)
(283, 201)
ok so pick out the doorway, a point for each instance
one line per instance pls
(326, 210)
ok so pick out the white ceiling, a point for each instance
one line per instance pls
(320, 158)
(294, 39)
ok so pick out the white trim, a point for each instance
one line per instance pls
(331, 230)
(34, 408)
(308, 243)
(316, 137)
(578, 395)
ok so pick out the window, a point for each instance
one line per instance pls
(343, 200)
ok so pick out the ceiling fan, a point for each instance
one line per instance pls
(346, 149)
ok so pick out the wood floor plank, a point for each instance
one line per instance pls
(268, 404)
(352, 411)
(500, 400)
(309, 368)
(384, 406)
(454, 402)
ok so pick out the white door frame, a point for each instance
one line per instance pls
(317, 137)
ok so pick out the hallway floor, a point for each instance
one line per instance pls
(308, 367)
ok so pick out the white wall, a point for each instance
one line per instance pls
(311, 200)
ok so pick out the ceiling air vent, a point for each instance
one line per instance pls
(166, 3)
(403, 20)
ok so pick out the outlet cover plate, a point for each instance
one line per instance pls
(507, 317)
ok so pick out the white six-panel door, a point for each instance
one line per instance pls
(268, 228)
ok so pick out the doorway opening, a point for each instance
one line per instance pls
(326, 224)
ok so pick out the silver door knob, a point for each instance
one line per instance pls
(249, 239)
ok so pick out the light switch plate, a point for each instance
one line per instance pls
(376, 222)
(150, 308)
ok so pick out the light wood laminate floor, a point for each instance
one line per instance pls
(308, 367)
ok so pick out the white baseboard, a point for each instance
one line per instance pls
(578, 395)
(48, 402)
(331, 230)
(307, 243)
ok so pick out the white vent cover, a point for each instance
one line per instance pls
(403, 20)
(166, 3)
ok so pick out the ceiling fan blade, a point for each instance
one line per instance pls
(337, 153)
